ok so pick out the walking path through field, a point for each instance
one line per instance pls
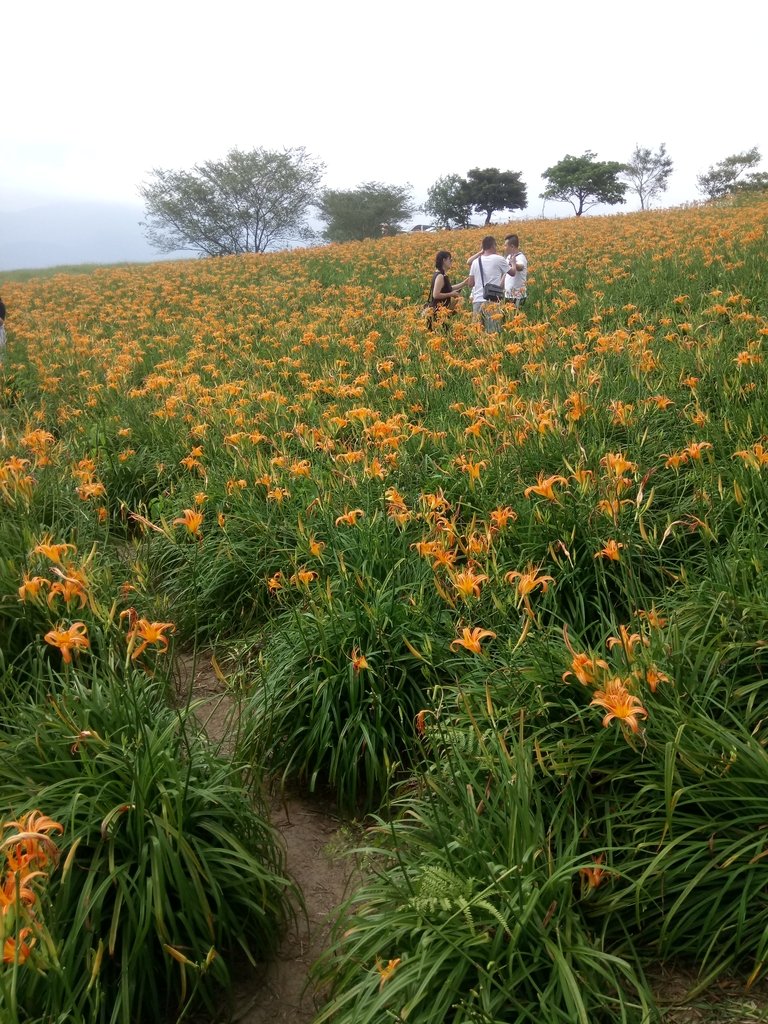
(280, 991)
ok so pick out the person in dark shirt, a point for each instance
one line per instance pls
(443, 294)
(2, 332)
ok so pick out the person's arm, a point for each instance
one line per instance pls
(470, 280)
(473, 257)
(463, 284)
(437, 288)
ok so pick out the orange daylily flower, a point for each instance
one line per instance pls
(467, 583)
(652, 676)
(15, 891)
(619, 704)
(443, 557)
(278, 494)
(756, 456)
(501, 516)
(611, 551)
(584, 478)
(527, 582)
(349, 518)
(191, 519)
(653, 618)
(628, 642)
(275, 583)
(94, 489)
(472, 469)
(35, 822)
(53, 552)
(675, 460)
(617, 464)
(70, 590)
(595, 875)
(577, 406)
(471, 639)
(386, 972)
(359, 661)
(75, 638)
(20, 952)
(584, 666)
(544, 488)
(425, 548)
(420, 721)
(149, 633)
(316, 547)
(303, 577)
(696, 448)
(32, 586)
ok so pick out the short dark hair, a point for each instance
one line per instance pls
(440, 258)
(512, 239)
(489, 242)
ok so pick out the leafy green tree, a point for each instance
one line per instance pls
(370, 210)
(489, 189)
(448, 202)
(725, 177)
(246, 202)
(648, 173)
(584, 181)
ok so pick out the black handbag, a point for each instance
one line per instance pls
(491, 292)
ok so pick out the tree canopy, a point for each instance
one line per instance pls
(648, 173)
(726, 177)
(244, 203)
(584, 181)
(488, 189)
(448, 202)
(368, 211)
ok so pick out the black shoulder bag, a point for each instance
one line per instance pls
(491, 292)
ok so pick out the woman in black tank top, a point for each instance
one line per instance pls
(443, 292)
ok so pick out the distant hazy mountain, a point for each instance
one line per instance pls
(73, 232)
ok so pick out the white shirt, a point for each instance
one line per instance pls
(495, 268)
(515, 287)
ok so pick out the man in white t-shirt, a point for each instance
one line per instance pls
(516, 280)
(487, 267)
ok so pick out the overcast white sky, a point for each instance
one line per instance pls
(97, 94)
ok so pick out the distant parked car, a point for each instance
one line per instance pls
(423, 227)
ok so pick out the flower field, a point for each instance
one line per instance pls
(502, 592)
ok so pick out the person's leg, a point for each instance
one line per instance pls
(493, 315)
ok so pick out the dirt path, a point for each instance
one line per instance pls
(280, 991)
